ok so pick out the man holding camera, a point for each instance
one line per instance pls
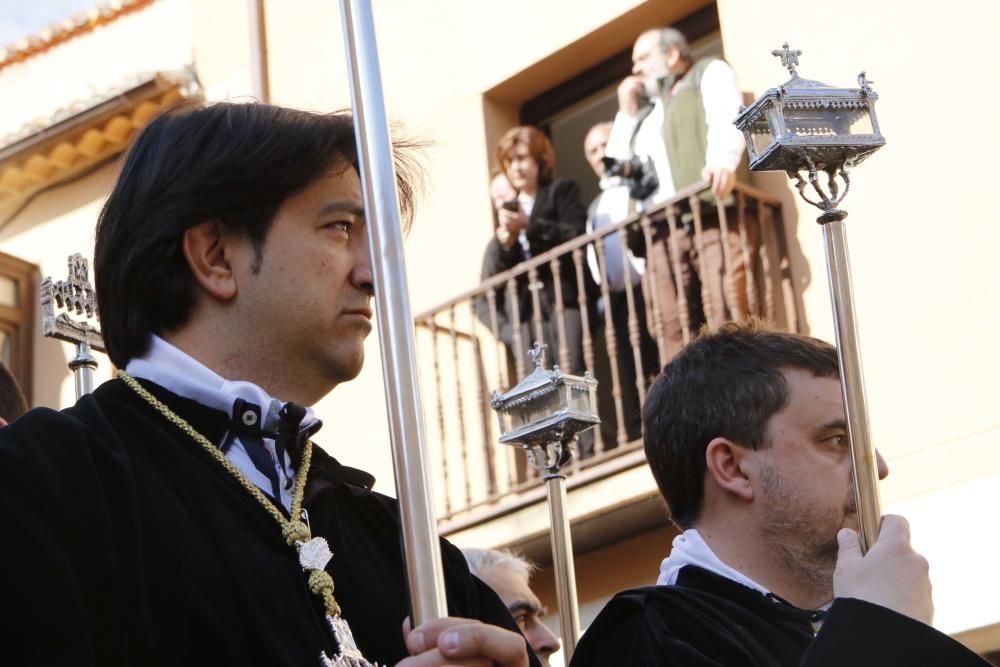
(622, 272)
(675, 115)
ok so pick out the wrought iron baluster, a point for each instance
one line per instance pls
(750, 266)
(515, 315)
(634, 333)
(588, 341)
(442, 426)
(560, 314)
(708, 308)
(674, 242)
(787, 283)
(764, 253)
(652, 281)
(535, 287)
(460, 404)
(611, 342)
(484, 406)
(730, 282)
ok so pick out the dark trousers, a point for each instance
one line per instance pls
(626, 349)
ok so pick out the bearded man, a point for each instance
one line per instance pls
(746, 437)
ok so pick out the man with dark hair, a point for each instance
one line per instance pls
(622, 272)
(746, 437)
(180, 514)
(12, 401)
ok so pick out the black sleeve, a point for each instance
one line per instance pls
(562, 219)
(860, 633)
(469, 597)
(624, 633)
(59, 585)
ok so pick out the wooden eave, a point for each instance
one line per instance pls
(75, 145)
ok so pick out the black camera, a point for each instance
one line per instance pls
(511, 205)
(638, 173)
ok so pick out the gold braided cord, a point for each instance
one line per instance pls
(292, 530)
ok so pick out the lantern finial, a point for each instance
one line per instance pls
(538, 354)
(865, 85)
(789, 57)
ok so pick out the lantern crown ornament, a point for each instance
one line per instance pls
(547, 406)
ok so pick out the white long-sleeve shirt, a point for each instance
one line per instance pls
(721, 97)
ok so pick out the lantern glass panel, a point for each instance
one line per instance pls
(827, 122)
(578, 401)
(860, 122)
(533, 412)
(506, 421)
(760, 134)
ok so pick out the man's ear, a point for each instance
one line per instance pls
(673, 56)
(210, 259)
(725, 461)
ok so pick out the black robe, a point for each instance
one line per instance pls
(710, 621)
(125, 543)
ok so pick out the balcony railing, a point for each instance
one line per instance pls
(464, 356)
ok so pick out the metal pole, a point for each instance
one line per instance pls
(395, 322)
(562, 562)
(83, 366)
(259, 81)
(865, 466)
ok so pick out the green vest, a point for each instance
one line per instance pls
(685, 132)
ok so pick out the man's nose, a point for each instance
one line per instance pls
(544, 642)
(361, 274)
(883, 467)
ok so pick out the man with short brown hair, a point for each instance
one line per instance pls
(746, 436)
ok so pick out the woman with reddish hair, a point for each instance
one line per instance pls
(541, 213)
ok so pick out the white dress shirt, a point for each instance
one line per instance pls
(690, 548)
(721, 97)
(612, 207)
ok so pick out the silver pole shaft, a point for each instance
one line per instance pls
(395, 322)
(259, 82)
(83, 365)
(562, 561)
(865, 466)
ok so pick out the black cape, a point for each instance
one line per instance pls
(709, 621)
(125, 543)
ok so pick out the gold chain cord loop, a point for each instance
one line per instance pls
(293, 531)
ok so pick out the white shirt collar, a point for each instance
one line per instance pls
(178, 372)
(689, 548)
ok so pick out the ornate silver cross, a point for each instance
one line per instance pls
(74, 296)
(314, 554)
(789, 57)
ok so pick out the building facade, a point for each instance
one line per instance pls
(923, 233)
